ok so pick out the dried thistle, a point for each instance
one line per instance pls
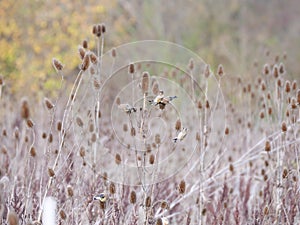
(145, 82)
(79, 121)
(81, 52)
(181, 187)
(82, 152)
(148, 202)
(283, 127)
(114, 53)
(32, 152)
(62, 214)
(49, 105)
(132, 197)
(85, 62)
(85, 44)
(51, 172)
(267, 146)
(29, 123)
(58, 66)
(151, 159)
(220, 70)
(112, 188)
(178, 125)
(131, 69)
(70, 191)
(25, 112)
(266, 70)
(93, 57)
(118, 159)
(207, 71)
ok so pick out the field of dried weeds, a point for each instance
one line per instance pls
(117, 147)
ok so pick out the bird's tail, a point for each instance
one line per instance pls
(175, 139)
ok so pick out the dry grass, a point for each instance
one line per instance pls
(238, 163)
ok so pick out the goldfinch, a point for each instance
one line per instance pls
(101, 197)
(127, 108)
(182, 134)
(161, 100)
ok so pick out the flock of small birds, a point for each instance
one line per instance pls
(161, 101)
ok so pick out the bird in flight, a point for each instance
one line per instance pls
(182, 134)
(127, 108)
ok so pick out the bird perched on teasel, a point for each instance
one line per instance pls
(182, 134)
(101, 197)
(127, 108)
(161, 100)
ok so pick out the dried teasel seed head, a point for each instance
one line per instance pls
(285, 173)
(58, 66)
(207, 71)
(283, 127)
(17, 133)
(32, 152)
(93, 58)
(145, 82)
(275, 71)
(25, 112)
(50, 138)
(191, 64)
(62, 214)
(79, 121)
(85, 44)
(231, 168)
(148, 202)
(82, 152)
(132, 131)
(294, 85)
(125, 127)
(70, 191)
(287, 86)
(151, 159)
(1, 81)
(81, 52)
(281, 68)
(298, 96)
(266, 69)
(178, 125)
(220, 70)
(114, 53)
(182, 187)
(155, 88)
(199, 105)
(262, 114)
(49, 105)
(59, 125)
(226, 130)
(29, 123)
(96, 83)
(207, 104)
(164, 205)
(118, 159)
(131, 69)
(103, 30)
(267, 146)
(157, 139)
(118, 101)
(132, 197)
(94, 30)
(51, 172)
(99, 30)
(112, 188)
(263, 86)
(270, 111)
(85, 62)
(266, 210)
(94, 137)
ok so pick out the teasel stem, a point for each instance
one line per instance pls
(63, 132)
